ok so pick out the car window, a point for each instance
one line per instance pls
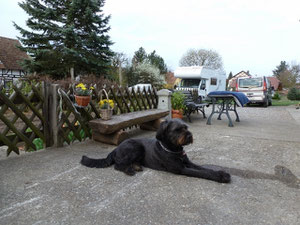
(250, 82)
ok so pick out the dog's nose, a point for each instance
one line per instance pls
(189, 137)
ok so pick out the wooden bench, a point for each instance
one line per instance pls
(111, 131)
(193, 105)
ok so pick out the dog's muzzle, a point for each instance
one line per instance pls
(189, 138)
(185, 139)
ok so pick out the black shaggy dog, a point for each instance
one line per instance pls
(163, 153)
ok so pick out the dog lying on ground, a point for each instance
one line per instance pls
(163, 153)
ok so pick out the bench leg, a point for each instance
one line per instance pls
(151, 125)
(213, 111)
(221, 111)
(201, 109)
(203, 112)
(237, 115)
(188, 115)
(230, 124)
(114, 138)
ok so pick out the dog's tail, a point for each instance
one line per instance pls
(98, 163)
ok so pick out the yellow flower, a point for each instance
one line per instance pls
(82, 90)
(106, 103)
(81, 85)
(111, 103)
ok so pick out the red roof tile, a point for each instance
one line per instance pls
(10, 55)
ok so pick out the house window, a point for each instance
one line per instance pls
(213, 81)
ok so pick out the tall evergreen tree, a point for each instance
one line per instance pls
(66, 35)
(280, 69)
(158, 61)
(139, 57)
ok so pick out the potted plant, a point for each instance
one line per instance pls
(106, 107)
(178, 106)
(83, 94)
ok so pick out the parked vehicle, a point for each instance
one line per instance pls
(141, 87)
(201, 78)
(257, 89)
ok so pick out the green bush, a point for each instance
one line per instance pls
(177, 101)
(293, 94)
(276, 96)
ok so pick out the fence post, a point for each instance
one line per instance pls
(53, 116)
(48, 139)
(164, 100)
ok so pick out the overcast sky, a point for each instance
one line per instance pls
(252, 35)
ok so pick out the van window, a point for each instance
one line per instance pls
(213, 81)
(250, 82)
(203, 84)
(190, 83)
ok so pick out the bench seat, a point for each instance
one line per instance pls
(111, 131)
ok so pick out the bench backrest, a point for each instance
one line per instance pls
(190, 97)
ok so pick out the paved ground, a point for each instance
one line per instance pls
(262, 153)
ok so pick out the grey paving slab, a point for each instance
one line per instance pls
(262, 153)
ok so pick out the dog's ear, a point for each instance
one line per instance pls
(161, 130)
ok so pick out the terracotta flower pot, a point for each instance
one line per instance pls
(177, 114)
(82, 100)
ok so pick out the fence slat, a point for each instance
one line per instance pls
(21, 115)
(119, 104)
(28, 103)
(11, 147)
(130, 99)
(137, 101)
(123, 99)
(77, 115)
(14, 129)
(147, 98)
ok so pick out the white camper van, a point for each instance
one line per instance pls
(201, 78)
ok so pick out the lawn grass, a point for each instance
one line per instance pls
(284, 101)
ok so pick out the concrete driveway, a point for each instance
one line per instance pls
(262, 153)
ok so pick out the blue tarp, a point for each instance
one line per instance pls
(239, 97)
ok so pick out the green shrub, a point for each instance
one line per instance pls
(276, 96)
(177, 101)
(293, 94)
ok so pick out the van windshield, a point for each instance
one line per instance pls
(250, 82)
(190, 83)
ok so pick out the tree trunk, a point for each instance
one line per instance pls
(72, 73)
(120, 73)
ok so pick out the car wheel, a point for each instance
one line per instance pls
(270, 102)
(265, 104)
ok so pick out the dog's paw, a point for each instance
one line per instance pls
(137, 167)
(224, 177)
(130, 171)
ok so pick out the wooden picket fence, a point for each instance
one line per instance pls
(47, 116)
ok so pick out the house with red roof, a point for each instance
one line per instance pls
(232, 81)
(275, 83)
(10, 58)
